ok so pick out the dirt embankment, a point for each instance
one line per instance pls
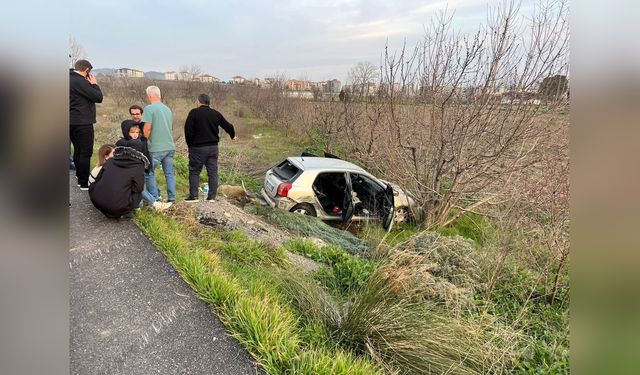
(226, 214)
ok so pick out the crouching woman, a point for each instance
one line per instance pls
(118, 188)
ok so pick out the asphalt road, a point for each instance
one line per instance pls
(130, 312)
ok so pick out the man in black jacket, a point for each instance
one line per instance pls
(84, 93)
(201, 131)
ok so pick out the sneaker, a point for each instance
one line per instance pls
(191, 199)
(84, 187)
(211, 199)
(160, 206)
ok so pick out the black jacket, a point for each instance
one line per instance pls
(118, 187)
(126, 125)
(83, 97)
(201, 127)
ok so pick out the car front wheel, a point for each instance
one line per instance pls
(304, 209)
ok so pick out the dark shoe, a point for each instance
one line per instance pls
(128, 215)
(211, 199)
(191, 199)
(84, 187)
(72, 167)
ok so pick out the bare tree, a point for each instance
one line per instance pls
(191, 72)
(361, 77)
(190, 75)
(76, 51)
(468, 138)
(327, 124)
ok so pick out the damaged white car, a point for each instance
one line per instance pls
(334, 190)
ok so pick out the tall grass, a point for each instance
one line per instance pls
(412, 335)
(269, 329)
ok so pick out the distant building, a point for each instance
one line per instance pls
(297, 85)
(129, 73)
(334, 85)
(238, 80)
(208, 78)
(171, 76)
(268, 83)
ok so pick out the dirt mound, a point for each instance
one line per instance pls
(223, 215)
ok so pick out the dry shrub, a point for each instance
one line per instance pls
(434, 267)
(398, 317)
(421, 337)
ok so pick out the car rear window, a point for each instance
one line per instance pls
(286, 170)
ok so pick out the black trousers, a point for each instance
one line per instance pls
(82, 140)
(203, 156)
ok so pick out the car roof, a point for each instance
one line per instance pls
(318, 163)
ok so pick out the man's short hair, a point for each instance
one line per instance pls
(135, 106)
(82, 65)
(204, 99)
(153, 92)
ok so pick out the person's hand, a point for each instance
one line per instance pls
(92, 79)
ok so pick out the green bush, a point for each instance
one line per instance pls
(347, 272)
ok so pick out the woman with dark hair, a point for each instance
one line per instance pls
(105, 152)
(117, 190)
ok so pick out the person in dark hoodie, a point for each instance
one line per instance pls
(84, 93)
(118, 188)
(134, 131)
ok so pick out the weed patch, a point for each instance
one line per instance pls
(346, 273)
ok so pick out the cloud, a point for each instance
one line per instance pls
(248, 37)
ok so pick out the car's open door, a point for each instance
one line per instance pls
(347, 205)
(388, 209)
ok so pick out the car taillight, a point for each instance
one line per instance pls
(283, 189)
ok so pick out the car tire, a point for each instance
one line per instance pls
(304, 209)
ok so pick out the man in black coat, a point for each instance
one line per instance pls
(84, 93)
(117, 190)
(201, 131)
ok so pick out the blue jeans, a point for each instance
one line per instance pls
(146, 195)
(150, 180)
(164, 158)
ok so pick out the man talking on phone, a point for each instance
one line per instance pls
(84, 93)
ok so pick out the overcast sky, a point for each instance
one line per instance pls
(308, 39)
